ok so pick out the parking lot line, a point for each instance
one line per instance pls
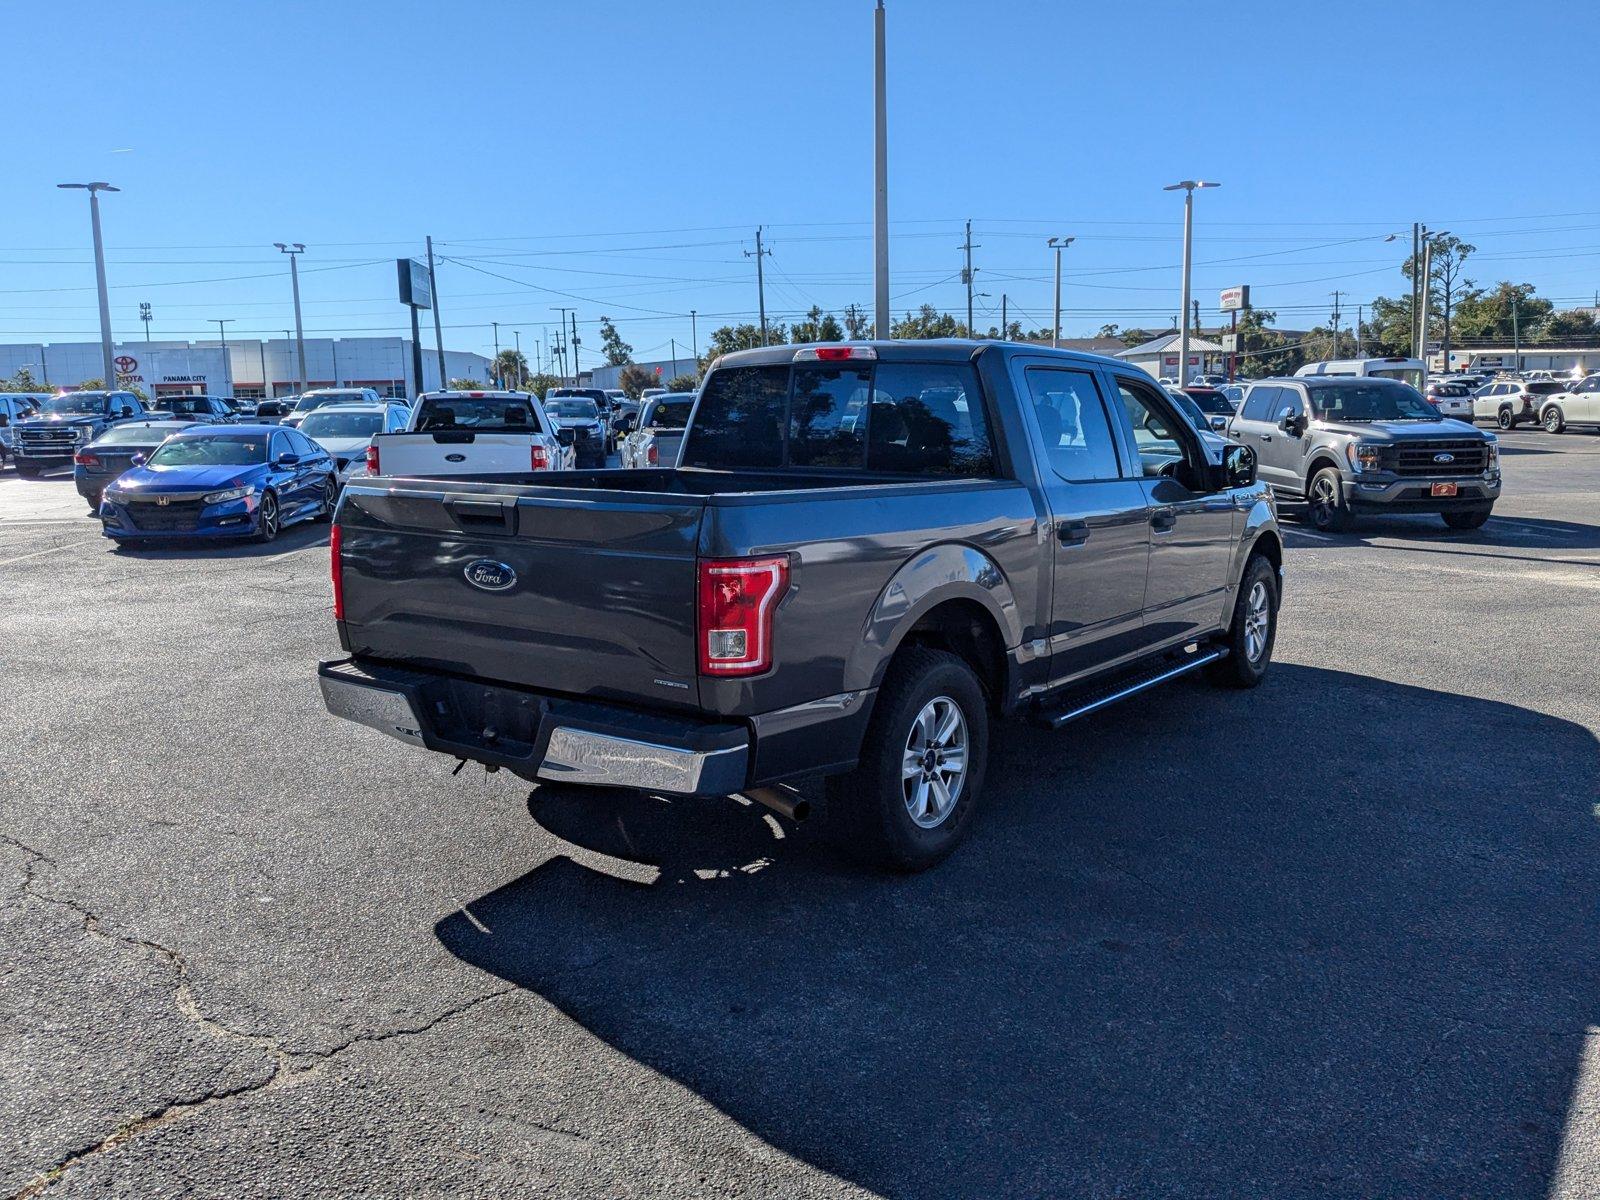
(5, 562)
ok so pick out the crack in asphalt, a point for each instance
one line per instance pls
(287, 1068)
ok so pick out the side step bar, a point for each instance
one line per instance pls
(1132, 685)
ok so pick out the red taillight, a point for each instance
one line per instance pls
(372, 459)
(335, 540)
(85, 460)
(737, 599)
(538, 458)
(653, 456)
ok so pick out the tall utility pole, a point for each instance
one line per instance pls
(499, 375)
(1516, 331)
(575, 342)
(517, 334)
(222, 334)
(761, 283)
(1360, 317)
(1195, 319)
(1335, 322)
(880, 179)
(294, 250)
(694, 339)
(106, 354)
(1058, 245)
(438, 325)
(1416, 260)
(1004, 323)
(1422, 319)
(561, 343)
(1188, 187)
(144, 315)
(966, 274)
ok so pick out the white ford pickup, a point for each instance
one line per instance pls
(471, 433)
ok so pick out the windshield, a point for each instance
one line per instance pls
(460, 412)
(1411, 375)
(1370, 401)
(307, 403)
(184, 404)
(74, 403)
(121, 435)
(334, 424)
(1208, 401)
(1447, 389)
(572, 408)
(671, 414)
(212, 450)
(1190, 408)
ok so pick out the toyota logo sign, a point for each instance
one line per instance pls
(126, 364)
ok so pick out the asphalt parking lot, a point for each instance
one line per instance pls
(1336, 936)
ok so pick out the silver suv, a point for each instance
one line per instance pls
(1345, 445)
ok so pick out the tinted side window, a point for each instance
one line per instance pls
(928, 418)
(741, 418)
(827, 417)
(1258, 402)
(302, 444)
(280, 445)
(1072, 424)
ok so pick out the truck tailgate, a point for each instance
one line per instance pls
(585, 592)
(452, 452)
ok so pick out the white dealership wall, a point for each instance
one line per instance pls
(254, 367)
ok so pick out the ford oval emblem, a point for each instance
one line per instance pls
(455, 458)
(490, 575)
(1444, 458)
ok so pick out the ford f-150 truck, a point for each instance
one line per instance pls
(66, 424)
(471, 434)
(867, 554)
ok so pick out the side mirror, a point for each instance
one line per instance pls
(1239, 466)
(137, 460)
(288, 460)
(1219, 423)
(1289, 422)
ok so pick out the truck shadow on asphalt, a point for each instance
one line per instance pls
(1336, 935)
(296, 537)
(1422, 528)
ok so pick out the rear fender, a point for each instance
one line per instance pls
(939, 573)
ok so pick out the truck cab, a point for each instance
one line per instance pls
(66, 423)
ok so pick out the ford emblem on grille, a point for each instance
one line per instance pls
(490, 575)
(1444, 458)
(455, 458)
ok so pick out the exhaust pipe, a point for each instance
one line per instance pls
(784, 801)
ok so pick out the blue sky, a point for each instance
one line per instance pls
(618, 157)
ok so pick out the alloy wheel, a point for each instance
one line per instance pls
(1257, 621)
(934, 766)
(1322, 503)
(269, 516)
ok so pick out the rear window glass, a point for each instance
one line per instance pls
(490, 415)
(908, 418)
(148, 435)
(671, 414)
(1546, 389)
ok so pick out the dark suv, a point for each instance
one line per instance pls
(1345, 445)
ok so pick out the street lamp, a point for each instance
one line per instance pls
(1187, 187)
(294, 250)
(94, 189)
(1058, 245)
(1427, 286)
(222, 333)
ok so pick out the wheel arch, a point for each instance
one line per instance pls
(1319, 459)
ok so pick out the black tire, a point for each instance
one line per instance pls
(330, 498)
(28, 470)
(1554, 420)
(1249, 644)
(1505, 420)
(1467, 518)
(1328, 508)
(869, 814)
(269, 518)
(94, 504)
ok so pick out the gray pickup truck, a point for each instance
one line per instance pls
(1362, 444)
(867, 553)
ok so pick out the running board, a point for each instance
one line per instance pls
(1121, 689)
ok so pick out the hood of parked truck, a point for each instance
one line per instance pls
(1404, 431)
(52, 420)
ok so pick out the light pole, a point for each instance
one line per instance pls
(499, 375)
(1058, 245)
(227, 368)
(517, 334)
(294, 250)
(1427, 288)
(564, 312)
(880, 179)
(1187, 187)
(145, 315)
(694, 338)
(94, 190)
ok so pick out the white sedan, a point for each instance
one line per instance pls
(345, 431)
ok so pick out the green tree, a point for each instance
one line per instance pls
(22, 381)
(90, 385)
(467, 385)
(1486, 314)
(857, 324)
(1109, 331)
(817, 327)
(682, 383)
(634, 379)
(540, 384)
(618, 353)
(741, 337)
(508, 367)
(1011, 333)
(927, 322)
(1564, 326)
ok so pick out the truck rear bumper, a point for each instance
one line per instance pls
(540, 736)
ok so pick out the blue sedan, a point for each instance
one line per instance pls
(222, 481)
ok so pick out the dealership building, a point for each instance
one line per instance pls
(245, 369)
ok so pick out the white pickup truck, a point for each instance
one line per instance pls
(471, 433)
